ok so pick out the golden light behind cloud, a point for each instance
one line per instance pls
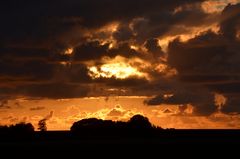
(118, 70)
(184, 37)
(216, 6)
(238, 34)
(134, 47)
(118, 67)
(68, 51)
(112, 27)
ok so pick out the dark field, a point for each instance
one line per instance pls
(96, 136)
(66, 140)
(183, 143)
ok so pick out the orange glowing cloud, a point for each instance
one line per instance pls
(220, 100)
(123, 68)
(68, 51)
(184, 37)
(118, 67)
(216, 6)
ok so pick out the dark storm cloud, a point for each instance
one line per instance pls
(132, 86)
(208, 57)
(226, 88)
(97, 13)
(90, 51)
(202, 100)
(231, 21)
(39, 79)
(30, 70)
(50, 23)
(154, 48)
(123, 33)
(211, 60)
(95, 51)
(209, 78)
(35, 35)
(128, 83)
(232, 104)
(199, 54)
(92, 12)
(171, 23)
(124, 50)
(53, 90)
(78, 73)
(24, 53)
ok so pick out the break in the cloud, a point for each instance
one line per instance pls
(61, 49)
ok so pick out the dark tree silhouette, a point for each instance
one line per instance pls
(3, 128)
(93, 125)
(140, 122)
(22, 128)
(18, 132)
(99, 127)
(42, 125)
(18, 128)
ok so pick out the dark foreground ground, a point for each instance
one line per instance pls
(166, 142)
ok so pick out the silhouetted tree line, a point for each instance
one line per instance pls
(18, 128)
(18, 131)
(137, 125)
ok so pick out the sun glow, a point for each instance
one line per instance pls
(118, 70)
(134, 47)
(238, 35)
(112, 27)
(69, 51)
(118, 67)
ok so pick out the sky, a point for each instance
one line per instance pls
(175, 62)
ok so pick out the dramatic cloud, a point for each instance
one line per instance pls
(89, 51)
(209, 62)
(182, 53)
(202, 100)
(56, 91)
